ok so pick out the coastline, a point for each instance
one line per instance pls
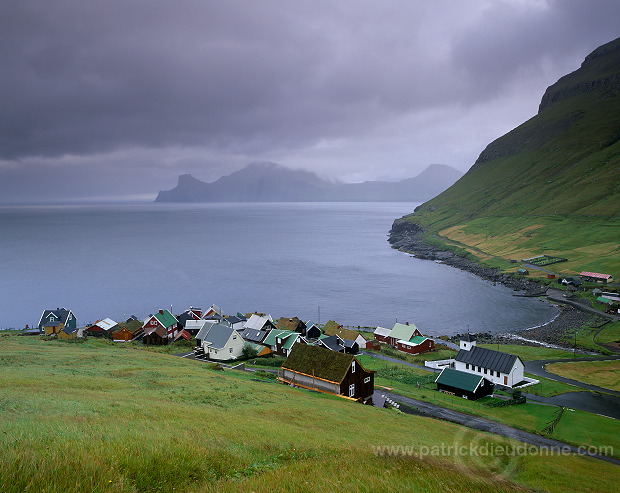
(406, 237)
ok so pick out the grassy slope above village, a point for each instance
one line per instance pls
(550, 186)
(90, 417)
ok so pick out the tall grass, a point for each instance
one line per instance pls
(94, 417)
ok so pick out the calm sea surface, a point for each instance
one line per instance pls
(311, 260)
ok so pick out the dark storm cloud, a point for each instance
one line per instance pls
(335, 87)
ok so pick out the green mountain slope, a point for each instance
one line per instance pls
(551, 185)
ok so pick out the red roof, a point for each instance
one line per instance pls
(595, 274)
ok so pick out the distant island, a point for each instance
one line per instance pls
(271, 182)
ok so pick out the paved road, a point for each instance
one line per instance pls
(538, 368)
(558, 296)
(591, 402)
(413, 406)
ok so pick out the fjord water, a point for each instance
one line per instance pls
(311, 260)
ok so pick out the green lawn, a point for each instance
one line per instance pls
(602, 373)
(78, 417)
(609, 333)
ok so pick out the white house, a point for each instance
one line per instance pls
(222, 343)
(257, 322)
(500, 368)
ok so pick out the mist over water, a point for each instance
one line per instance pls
(288, 259)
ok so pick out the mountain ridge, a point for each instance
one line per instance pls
(271, 182)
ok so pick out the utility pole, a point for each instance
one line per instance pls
(319, 310)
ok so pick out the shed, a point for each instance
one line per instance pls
(463, 384)
(595, 277)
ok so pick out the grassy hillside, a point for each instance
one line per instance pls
(88, 416)
(550, 186)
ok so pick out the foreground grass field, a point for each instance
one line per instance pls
(602, 373)
(90, 417)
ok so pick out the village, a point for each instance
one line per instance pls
(318, 357)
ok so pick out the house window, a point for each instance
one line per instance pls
(230, 350)
(234, 337)
(351, 390)
(467, 366)
(497, 374)
(485, 371)
(353, 367)
(367, 380)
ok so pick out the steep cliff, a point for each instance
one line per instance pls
(551, 184)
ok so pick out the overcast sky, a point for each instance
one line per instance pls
(116, 98)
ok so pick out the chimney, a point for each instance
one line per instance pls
(161, 312)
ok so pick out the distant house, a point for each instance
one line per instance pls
(53, 321)
(124, 334)
(236, 322)
(500, 368)
(403, 332)
(333, 343)
(101, 328)
(317, 368)
(160, 328)
(596, 277)
(192, 313)
(70, 333)
(223, 343)
(416, 345)
(182, 334)
(213, 312)
(406, 338)
(382, 334)
(292, 324)
(463, 384)
(313, 331)
(203, 327)
(254, 336)
(337, 343)
(340, 331)
(282, 341)
(259, 322)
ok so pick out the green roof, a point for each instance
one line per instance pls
(166, 318)
(602, 299)
(402, 331)
(320, 362)
(459, 379)
(417, 339)
(270, 340)
(290, 341)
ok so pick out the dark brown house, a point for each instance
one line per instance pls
(316, 368)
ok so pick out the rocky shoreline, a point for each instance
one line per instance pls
(406, 237)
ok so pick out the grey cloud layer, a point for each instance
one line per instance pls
(246, 77)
